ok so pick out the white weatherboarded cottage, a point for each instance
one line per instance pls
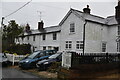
(100, 33)
(76, 31)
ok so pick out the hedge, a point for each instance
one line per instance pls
(20, 49)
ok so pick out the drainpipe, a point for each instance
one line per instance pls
(84, 37)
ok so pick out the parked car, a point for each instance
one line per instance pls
(44, 64)
(31, 60)
(3, 59)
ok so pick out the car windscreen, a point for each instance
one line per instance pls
(54, 55)
(33, 55)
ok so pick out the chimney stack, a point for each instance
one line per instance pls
(40, 25)
(87, 10)
(27, 28)
(117, 14)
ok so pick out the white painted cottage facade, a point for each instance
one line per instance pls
(100, 34)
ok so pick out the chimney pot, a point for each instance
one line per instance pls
(40, 25)
(27, 28)
(87, 10)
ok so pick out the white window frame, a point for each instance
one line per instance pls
(119, 30)
(34, 37)
(68, 44)
(104, 46)
(118, 46)
(54, 36)
(44, 37)
(79, 45)
(72, 27)
(27, 37)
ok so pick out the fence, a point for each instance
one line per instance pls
(74, 59)
(14, 58)
(95, 58)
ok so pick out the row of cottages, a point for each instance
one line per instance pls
(76, 31)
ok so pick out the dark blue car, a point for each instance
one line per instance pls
(44, 64)
(31, 60)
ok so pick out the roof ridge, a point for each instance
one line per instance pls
(89, 14)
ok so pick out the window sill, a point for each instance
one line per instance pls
(79, 50)
(71, 33)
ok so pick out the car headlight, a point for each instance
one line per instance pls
(26, 61)
(46, 63)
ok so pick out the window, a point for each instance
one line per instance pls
(68, 45)
(44, 36)
(49, 47)
(34, 38)
(79, 45)
(72, 27)
(118, 46)
(44, 48)
(54, 36)
(27, 37)
(104, 47)
(118, 30)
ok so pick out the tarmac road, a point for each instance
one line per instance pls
(14, 74)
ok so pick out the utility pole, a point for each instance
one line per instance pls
(84, 37)
(1, 30)
(2, 22)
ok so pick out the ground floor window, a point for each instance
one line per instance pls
(68, 44)
(44, 48)
(104, 46)
(118, 46)
(79, 45)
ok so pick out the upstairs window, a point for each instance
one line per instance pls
(68, 45)
(104, 47)
(54, 36)
(27, 37)
(43, 36)
(34, 38)
(72, 27)
(118, 30)
(79, 45)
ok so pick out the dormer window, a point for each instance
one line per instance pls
(72, 27)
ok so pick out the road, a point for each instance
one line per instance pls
(14, 74)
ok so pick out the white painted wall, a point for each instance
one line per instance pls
(95, 35)
(67, 36)
(39, 43)
(112, 33)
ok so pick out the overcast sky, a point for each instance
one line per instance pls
(53, 11)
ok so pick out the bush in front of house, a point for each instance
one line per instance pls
(54, 67)
(19, 49)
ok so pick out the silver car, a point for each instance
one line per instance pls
(3, 59)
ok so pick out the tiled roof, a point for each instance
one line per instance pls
(108, 21)
(46, 30)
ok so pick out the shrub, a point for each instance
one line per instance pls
(54, 67)
(20, 49)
